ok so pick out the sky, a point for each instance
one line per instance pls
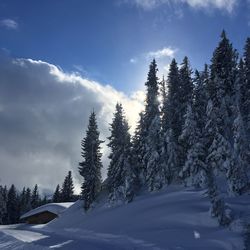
(59, 60)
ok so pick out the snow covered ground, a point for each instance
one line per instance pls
(172, 219)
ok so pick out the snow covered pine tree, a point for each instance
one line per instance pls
(155, 172)
(121, 174)
(90, 167)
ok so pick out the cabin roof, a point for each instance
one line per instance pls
(55, 208)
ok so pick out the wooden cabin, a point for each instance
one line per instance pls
(45, 213)
(41, 218)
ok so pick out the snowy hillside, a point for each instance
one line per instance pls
(174, 218)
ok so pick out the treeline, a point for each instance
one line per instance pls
(14, 203)
(197, 135)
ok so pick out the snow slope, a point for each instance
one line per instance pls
(172, 219)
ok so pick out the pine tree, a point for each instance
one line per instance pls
(90, 167)
(131, 172)
(237, 173)
(245, 88)
(35, 198)
(172, 106)
(57, 194)
(172, 171)
(188, 135)
(185, 109)
(155, 173)
(241, 89)
(28, 200)
(222, 85)
(218, 157)
(222, 92)
(5, 200)
(120, 173)
(187, 140)
(194, 169)
(186, 87)
(12, 206)
(244, 92)
(200, 98)
(220, 154)
(218, 207)
(138, 151)
(44, 201)
(193, 138)
(165, 127)
(163, 89)
(3, 208)
(22, 201)
(172, 125)
(164, 104)
(223, 68)
(67, 191)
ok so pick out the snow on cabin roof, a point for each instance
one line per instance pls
(55, 208)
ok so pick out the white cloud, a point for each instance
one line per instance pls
(149, 4)
(9, 24)
(139, 96)
(44, 114)
(165, 52)
(80, 68)
(133, 60)
(227, 5)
